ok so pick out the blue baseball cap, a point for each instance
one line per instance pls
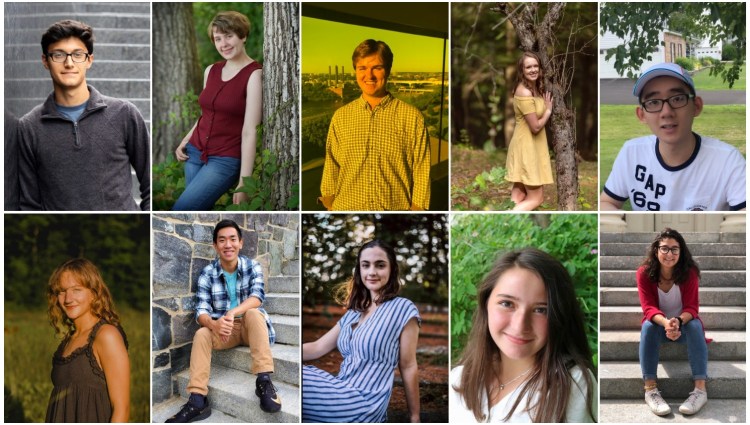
(666, 69)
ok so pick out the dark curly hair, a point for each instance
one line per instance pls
(684, 263)
(61, 30)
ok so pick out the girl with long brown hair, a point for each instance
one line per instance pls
(378, 332)
(91, 368)
(527, 358)
(668, 283)
(528, 163)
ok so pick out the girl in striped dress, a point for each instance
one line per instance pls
(378, 332)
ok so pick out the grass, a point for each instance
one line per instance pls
(703, 81)
(30, 343)
(618, 123)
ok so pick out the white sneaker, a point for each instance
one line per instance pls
(657, 403)
(695, 401)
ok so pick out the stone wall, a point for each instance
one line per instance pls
(182, 247)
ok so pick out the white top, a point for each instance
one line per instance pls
(670, 303)
(713, 179)
(575, 412)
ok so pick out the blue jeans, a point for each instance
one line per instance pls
(206, 182)
(652, 336)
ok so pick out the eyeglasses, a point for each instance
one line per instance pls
(665, 250)
(675, 102)
(60, 57)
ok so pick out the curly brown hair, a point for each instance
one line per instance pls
(354, 295)
(536, 89)
(684, 263)
(87, 275)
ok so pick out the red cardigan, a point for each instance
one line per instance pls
(648, 292)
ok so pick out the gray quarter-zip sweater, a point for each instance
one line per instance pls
(84, 165)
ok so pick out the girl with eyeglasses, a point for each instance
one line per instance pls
(668, 283)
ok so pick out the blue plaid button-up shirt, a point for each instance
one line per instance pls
(212, 298)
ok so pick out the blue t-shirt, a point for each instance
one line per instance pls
(72, 112)
(231, 279)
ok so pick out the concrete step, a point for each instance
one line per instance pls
(624, 380)
(283, 284)
(163, 411)
(282, 303)
(709, 278)
(629, 317)
(119, 88)
(94, 19)
(80, 7)
(705, 263)
(697, 249)
(708, 296)
(103, 35)
(102, 51)
(287, 329)
(623, 345)
(637, 412)
(233, 393)
(286, 361)
(690, 237)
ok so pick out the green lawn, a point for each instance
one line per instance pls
(29, 345)
(703, 81)
(618, 123)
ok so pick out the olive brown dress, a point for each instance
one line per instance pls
(528, 157)
(80, 388)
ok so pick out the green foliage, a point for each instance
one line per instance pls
(168, 183)
(118, 244)
(204, 12)
(477, 240)
(728, 52)
(331, 243)
(29, 344)
(641, 24)
(686, 63)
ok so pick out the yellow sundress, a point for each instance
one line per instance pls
(528, 157)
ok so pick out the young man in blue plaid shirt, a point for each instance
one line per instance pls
(229, 309)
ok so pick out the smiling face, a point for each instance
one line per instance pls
(668, 260)
(68, 75)
(531, 70)
(372, 76)
(671, 126)
(228, 44)
(374, 269)
(517, 314)
(228, 245)
(74, 298)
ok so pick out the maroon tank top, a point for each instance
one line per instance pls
(219, 129)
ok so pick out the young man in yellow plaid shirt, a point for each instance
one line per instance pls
(377, 150)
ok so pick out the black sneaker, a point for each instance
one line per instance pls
(269, 400)
(190, 413)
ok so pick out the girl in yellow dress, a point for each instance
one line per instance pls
(528, 164)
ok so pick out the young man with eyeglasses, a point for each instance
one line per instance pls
(77, 147)
(674, 169)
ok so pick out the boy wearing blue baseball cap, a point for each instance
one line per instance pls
(674, 169)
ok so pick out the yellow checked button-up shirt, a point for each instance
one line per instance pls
(376, 159)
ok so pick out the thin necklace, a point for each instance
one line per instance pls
(502, 386)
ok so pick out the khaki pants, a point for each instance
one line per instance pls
(250, 330)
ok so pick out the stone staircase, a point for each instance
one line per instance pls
(722, 259)
(122, 53)
(232, 387)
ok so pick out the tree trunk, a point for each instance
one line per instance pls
(509, 123)
(537, 36)
(281, 97)
(176, 71)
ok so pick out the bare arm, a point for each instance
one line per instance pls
(324, 345)
(249, 303)
(409, 368)
(110, 351)
(253, 117)
(180, 152)
(535, 123)
(608, 203)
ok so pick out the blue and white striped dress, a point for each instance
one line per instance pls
(362, 389)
